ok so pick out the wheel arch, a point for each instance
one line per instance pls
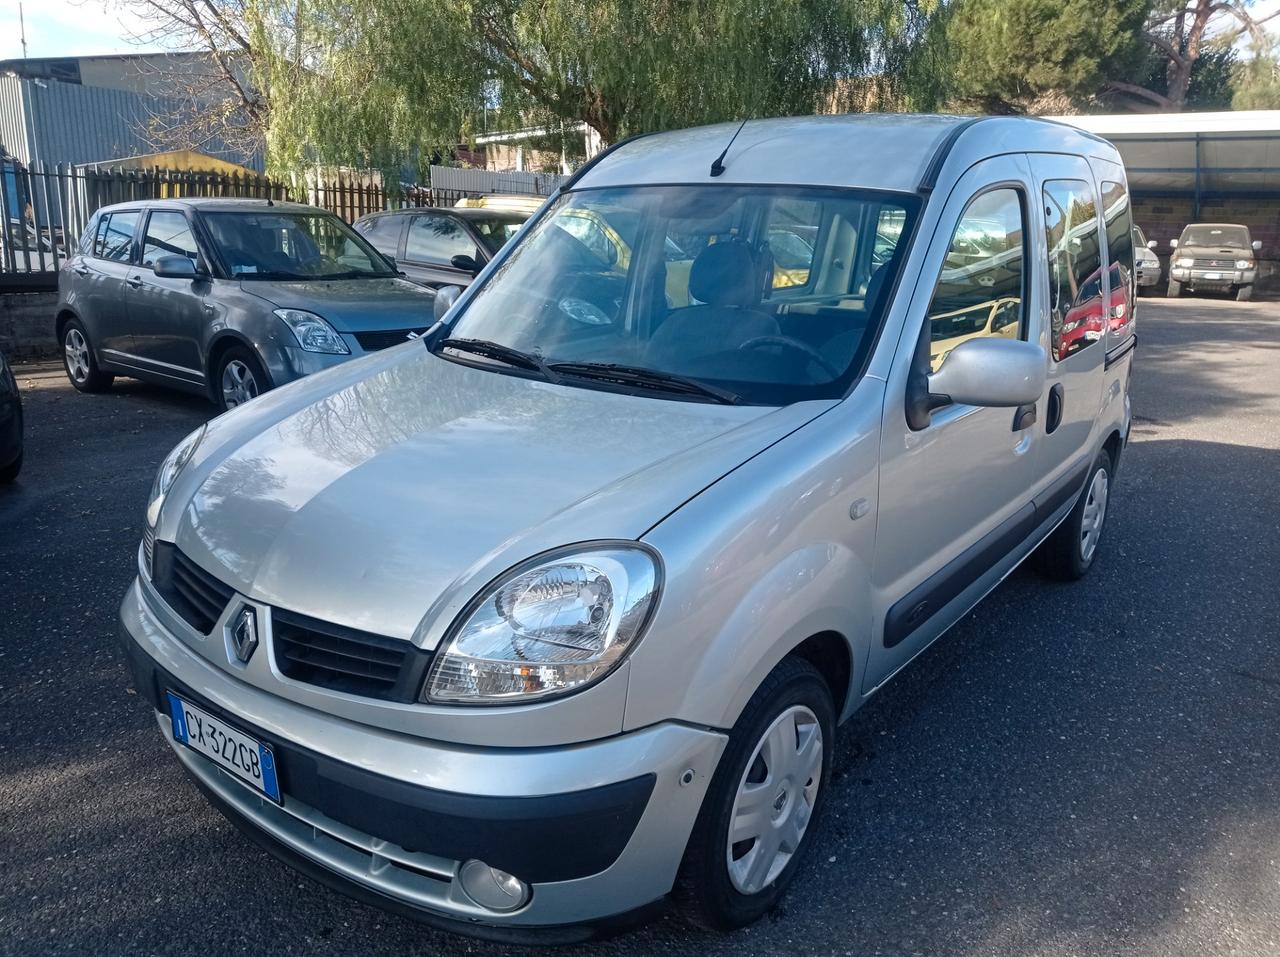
(222, 341)
(60, 320)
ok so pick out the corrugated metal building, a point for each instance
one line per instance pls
(56, 122)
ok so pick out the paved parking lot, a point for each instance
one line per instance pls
(1075, 769)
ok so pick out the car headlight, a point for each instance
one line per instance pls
(313, 333)
(169, 471)
(1183, 262)
(548, 627)
(1244, 263)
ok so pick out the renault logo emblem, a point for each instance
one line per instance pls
(244, 634)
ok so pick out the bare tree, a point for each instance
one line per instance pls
(1180, 32)
(205, 78)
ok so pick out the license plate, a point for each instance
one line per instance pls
(229, 748)
(1213, 275)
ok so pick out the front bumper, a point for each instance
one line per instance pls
(1213, 278)
(596, 829)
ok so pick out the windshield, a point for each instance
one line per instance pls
(1227, 237)
(495, 232)
(770, 294)
(292, 245)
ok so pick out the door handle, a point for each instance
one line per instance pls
(1054, 413)
(135, 282)
(80, 270)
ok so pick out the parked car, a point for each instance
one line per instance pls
(10, 424)
(1214, 257)
(1147, 264)
(440, 246)
(226, 297)
(520, 628)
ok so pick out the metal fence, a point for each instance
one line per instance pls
(46, 207)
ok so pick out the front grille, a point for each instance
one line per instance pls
(197, 596)
(384, 339)
(344, 659)
(1213, 264)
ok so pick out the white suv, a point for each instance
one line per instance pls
(522, 626)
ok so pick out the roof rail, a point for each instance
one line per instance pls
(930, 178)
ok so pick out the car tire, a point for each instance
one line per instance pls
(724, 885)
(79, 362)
(238, 378)
(1244, 294)
(1069, 552)
(10, 471)
(1175, 289)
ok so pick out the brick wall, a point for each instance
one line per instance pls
(1162, 218)
(26, 325)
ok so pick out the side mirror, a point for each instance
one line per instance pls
(1257, 245)
(446, 296)
(1151, 244)
(465, 263)
(990, 371)
(175, 267)
(1173, 243)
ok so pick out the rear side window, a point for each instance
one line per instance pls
(1077, 315)
(980, 290)
(116, 236)
(1120, 237)
(383, 233)
(437, 239)
(87, 238)
(168, 234)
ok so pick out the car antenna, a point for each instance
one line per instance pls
(717, 165)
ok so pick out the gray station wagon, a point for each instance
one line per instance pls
(523, 627)
(227, 297)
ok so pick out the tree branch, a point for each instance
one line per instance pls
(1140, 92)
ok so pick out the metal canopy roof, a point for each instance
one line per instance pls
(1224, 153)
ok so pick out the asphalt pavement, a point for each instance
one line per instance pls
(1080, 769)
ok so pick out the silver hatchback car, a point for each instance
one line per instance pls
(226, 297)
(523, 627)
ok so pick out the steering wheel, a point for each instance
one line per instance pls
(808, 351)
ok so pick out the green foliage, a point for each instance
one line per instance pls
(1212, 78)
(1257, 82)
(1013, 55)
(382, 82)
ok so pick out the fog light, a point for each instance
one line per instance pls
(491, 888)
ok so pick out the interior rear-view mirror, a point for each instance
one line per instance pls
(175, 267)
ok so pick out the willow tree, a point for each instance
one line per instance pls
(379, 82)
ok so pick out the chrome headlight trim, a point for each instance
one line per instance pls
(314, 333)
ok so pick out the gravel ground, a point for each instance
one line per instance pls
(1075, 769)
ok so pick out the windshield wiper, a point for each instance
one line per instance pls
(643, 378)
(506, 354)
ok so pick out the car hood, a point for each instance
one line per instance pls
(387, 491)
(1213, 252)
(352, 305)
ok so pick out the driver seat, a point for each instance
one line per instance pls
(729, 279)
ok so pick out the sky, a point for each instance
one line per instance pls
(65, 28)
(84, 27)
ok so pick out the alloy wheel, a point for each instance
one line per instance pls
(77, 352)
(238, 384)
(775, 800)
(1095, 513)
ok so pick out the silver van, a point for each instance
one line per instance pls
(526, 626)
(226, 297)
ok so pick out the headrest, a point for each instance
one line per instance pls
(726, 274)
